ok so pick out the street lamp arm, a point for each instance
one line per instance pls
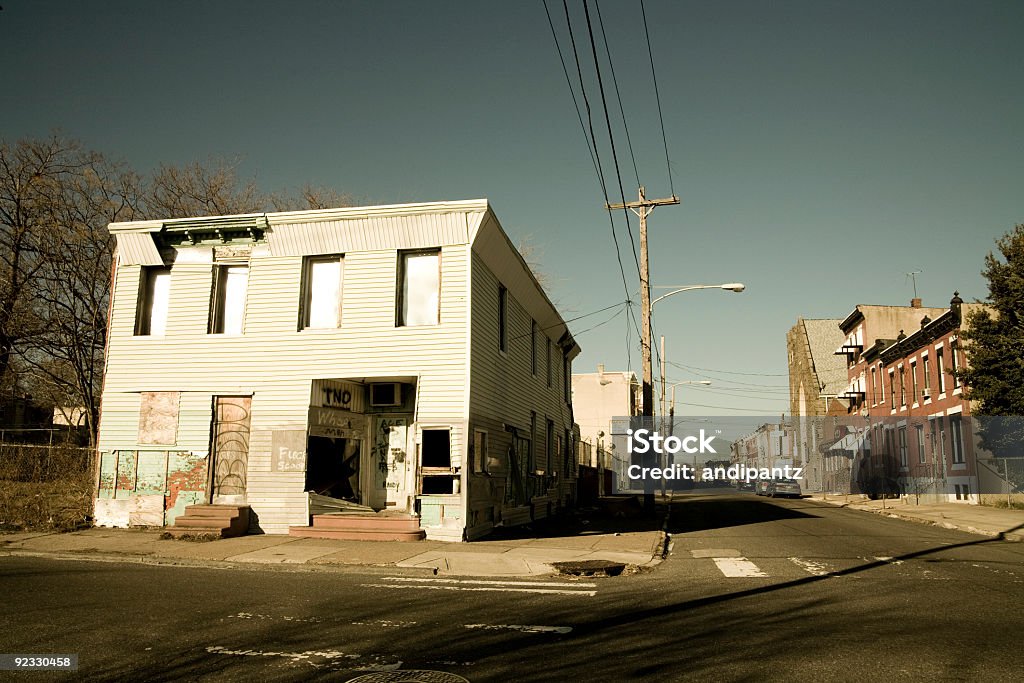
(730, 286)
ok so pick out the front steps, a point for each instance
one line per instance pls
(362, 527)
(223, 521)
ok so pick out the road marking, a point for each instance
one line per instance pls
(482, 582)
(888, 560)
(495, 589)
(738, 567)
(331, 659)
(521, 627)
(811, 567)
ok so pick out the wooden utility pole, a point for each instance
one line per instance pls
(643, 209)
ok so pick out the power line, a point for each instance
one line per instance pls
(611, 138)
(657, 97)
(618, 95)
(736, 372)
(592, 142)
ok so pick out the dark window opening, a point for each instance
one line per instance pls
(438, 485)
(436, 449)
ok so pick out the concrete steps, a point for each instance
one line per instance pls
(362, 527)
(224, 521)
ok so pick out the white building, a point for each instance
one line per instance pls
(391, 359)
(598, 398)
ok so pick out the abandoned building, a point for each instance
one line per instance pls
(368, 372)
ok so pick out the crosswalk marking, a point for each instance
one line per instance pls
(811, 566)
(446, 584)
(738, 567)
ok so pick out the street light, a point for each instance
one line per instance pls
(672, 417)
(648, 370)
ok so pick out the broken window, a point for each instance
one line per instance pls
(436, 448)
(321, 298)
(420, 288)
(154, 299)
(230, 284)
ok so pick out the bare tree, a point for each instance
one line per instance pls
(56, 254)
(202, 189)
(62, 352)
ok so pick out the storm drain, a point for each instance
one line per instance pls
(589, 568)
(410, 676)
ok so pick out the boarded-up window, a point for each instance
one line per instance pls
(158, 417)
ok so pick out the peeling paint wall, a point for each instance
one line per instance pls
(148, 488)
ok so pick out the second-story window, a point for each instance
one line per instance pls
(154, 300)
(502, 319)
(548, 354)
(914, 397)
(419, 292)
(321, 295)
(227, 310)
(954, 362)
(533, 347)
(940, 367)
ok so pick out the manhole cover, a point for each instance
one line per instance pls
(410, 676)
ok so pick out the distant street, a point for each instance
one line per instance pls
(754, 589)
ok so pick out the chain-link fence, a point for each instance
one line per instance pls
(46, 487)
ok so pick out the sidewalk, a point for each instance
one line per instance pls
(975, 519)
(516, 554)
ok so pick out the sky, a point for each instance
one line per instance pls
(820, 150)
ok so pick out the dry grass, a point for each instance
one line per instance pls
(47, 506)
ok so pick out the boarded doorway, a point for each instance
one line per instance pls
(230, 448)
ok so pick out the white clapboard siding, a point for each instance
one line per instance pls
(275, 362)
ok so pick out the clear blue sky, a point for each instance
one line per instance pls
(821, 149)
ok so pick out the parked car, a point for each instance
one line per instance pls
(761, 488)
(783, 487)
(743, 485)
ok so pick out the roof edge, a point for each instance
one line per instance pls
(310, 215)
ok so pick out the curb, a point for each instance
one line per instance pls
(1012, 537)
(220, 564)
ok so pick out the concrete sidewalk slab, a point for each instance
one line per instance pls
(502, 557)
(976, 519)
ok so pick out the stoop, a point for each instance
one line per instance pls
(220, 520)
(362, 527)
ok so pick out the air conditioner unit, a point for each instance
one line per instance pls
(385, 394)
(926, 394)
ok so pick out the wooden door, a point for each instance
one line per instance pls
(230, 448)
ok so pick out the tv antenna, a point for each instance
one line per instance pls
(913, 278)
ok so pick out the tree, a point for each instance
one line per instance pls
(56, 200)
(994, 374)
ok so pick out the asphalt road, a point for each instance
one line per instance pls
(754, 589)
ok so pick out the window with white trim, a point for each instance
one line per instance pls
(227, 310)
(322, 286)
(419, 288)
(154, 300)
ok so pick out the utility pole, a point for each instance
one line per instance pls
(643, 208)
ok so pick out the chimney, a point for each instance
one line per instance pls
(915, 302)
(600, 368)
